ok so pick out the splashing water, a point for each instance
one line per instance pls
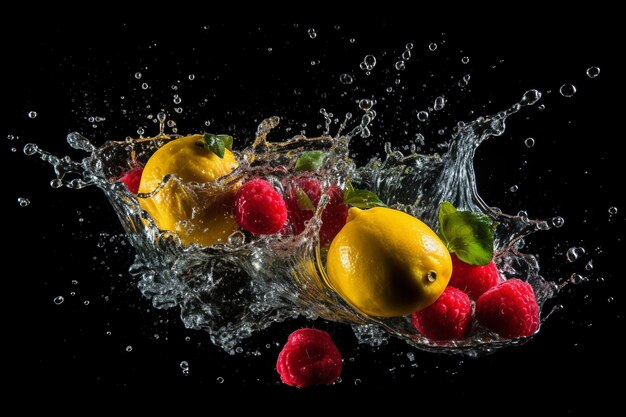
(235, 289)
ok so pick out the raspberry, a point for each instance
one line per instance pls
(132, 178)
(509, 309)
(309, 358)
(474, 280)
(448, 318)
(334, 215)
(259, 208)
(297, 216)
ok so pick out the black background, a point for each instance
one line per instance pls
(69, 73)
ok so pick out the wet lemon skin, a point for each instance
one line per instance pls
(383, 263)
(204, 219)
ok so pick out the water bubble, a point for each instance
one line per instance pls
(406, 54)
(140, 131)
(465, 59)
(369, 62)
(593, 72)
(422, 116)
(86, 302)
(389, 89)
(432, 46)
(529, 142)
(589, 265)
(514, 188)
(357, 381)
(352, 40)
(577, 279)
(30, 149)
(56, 183)
(312, 33)
(144, 86)
(558, 221)
(312, 62)
(207, 123)
(177, 99)
(178, 109)
(32, 114)
(192, 77)
(129, 348)
(365, 104)
(572, 254)
(612, 210)
(409, 45)
(239, 349)
(440, 103)
(171, 123)
(108, 333)
(567, 90)
(346, 79)
(220, 380)
(23, 202)
(11, 137)
(138, 75)
(58, 300)
(184, 365)
(400, 65)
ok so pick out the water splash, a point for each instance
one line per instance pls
(234, 289)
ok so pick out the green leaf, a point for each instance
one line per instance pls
(216, 143)
(469, 235)
(304, 202)
(362, 199)
(310, 161)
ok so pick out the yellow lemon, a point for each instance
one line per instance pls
(198, 217)
(387, 263)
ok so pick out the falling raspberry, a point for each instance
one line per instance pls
(448, 318)
(474, 280)
(259, 208)
(309, 357)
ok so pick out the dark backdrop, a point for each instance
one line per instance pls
(69, 243)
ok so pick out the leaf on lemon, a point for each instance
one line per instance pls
(362, 199)
(309, 161)
(216, 143)
(304, 201)
(469, 235)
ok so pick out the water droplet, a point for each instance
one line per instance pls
(593, 72)
(30, 149)
(530, 97)
(558, 221)
(239, 349)
(357, 381)
(465, 60)
(440, 103)
(567, 90)
(411, 356)
(192, 77)
(400, 65)
(514, 188)
(612, 210)
(138, 75)
(144, 86)
(352, 40)
(58, 300)
(11, 137)
(207, 123)
(178, 109)
(610, 299)
(237, 238)
(220, 380)
(32, 114)
(572, 254)
(406, 54)
(171, 123)
(422, 116)
(177, 99)
(577, 279)
(23, 202)
(86, 302)
(346, 79)
(542, 107)
(529, 142)
(369, 62)
(140, 131)
(108, 333)
(409, 45)
(312, 33)
(432, 46)
(129, 348)
(365, 104)
(184, 365)
(589, 265)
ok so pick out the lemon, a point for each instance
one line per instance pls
(197, 217)
(387, 263)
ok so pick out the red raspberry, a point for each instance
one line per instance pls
(509, 309)
(334, 215)
(132, 178)
(259, 208)
(474, 280)
(297, 216)
(448, 318)
(309, 358)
